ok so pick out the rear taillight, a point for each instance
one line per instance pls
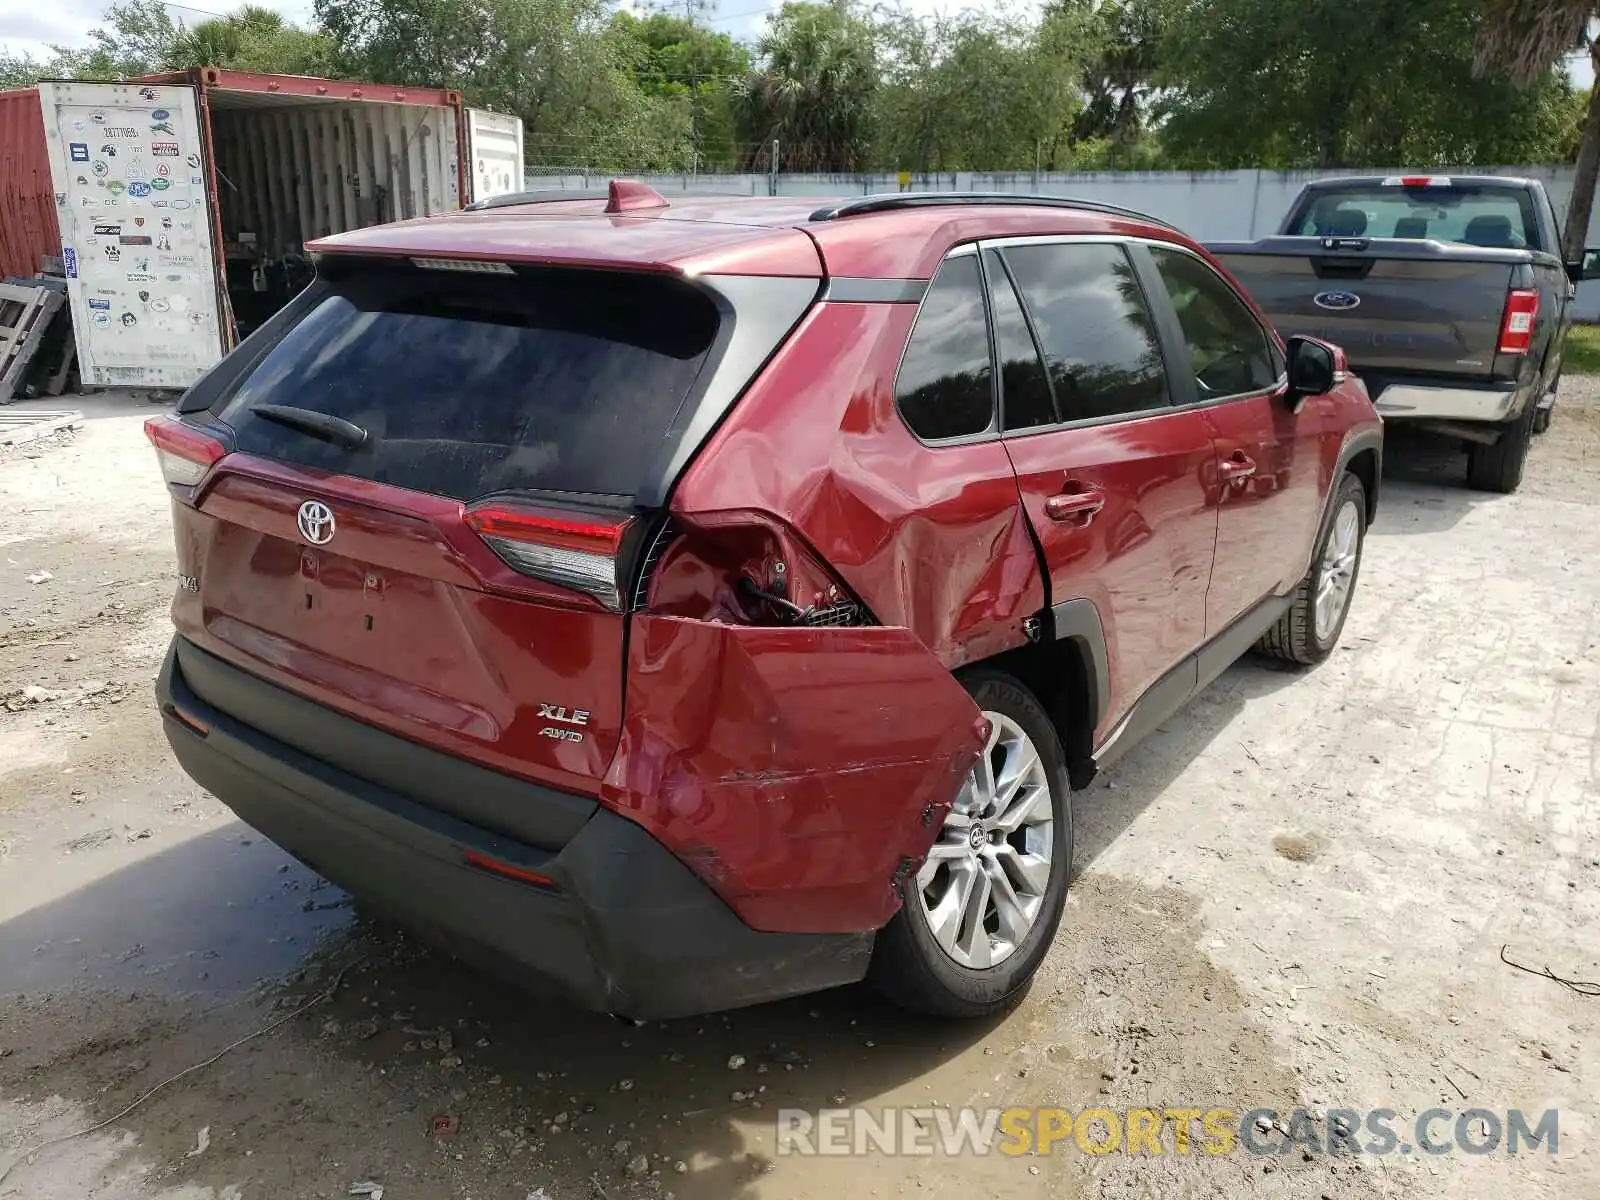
(185, 454)
(581, 553)
(1516, 327)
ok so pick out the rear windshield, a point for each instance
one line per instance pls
(470, 384)
(1498, 217)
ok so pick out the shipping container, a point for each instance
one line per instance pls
(185, 200)
(29, 235)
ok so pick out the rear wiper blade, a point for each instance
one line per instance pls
(318, 425)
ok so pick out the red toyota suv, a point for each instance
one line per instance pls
(690, 604)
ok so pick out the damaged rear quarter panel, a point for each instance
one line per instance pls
(792, 768)
(933, 538)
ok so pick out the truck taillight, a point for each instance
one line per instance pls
(1516, 327)
(580, 553)
(186, 455)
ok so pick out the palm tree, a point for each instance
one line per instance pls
(1530, 38)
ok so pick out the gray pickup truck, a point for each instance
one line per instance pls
(1450, 295)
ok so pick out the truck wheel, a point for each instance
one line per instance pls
(1498, 468)
(978, 918)
(1310, 627)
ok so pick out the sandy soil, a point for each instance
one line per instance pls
(1294, 894)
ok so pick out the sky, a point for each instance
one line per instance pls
(27, 27)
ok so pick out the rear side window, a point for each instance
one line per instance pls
(1094, 327)
(1230, 352)
(945, 387)
(467, 385)
(1024, 390)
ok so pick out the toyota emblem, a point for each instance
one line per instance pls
(316, 522)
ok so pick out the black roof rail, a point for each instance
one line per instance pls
(889, 201)
(540, 197)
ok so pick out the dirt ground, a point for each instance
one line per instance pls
(1296, 893)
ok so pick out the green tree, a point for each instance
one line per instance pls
(1531, 39)
(813, 89)
(253, 39)
(560, 65)
(981, 92)
(1126, 38)
(1283, 83)
(677, 60)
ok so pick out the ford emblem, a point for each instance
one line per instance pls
(1337, 301)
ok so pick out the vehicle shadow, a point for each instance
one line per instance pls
(225, 923)
(1424, 484)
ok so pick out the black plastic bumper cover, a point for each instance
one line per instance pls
(627, 928)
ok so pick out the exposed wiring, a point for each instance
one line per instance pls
(323, 996)
(787, 607)
(1580, 986)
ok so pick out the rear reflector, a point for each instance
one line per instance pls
(570, 552)
(471, 266)
(184, 452)
(510, 871)
(1516, 327)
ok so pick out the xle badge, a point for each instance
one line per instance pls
(567, 716)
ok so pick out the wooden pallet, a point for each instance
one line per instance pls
(25, 315)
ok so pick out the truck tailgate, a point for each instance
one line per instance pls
(1394, 305)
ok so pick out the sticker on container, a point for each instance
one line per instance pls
(105, 304)
(130, 240)
(163, 170)
(128, 319)
(160, 114)
(101, 320)
(121, 131)
(138, 188)
(164, 149)
(69, 259)
(78, 125)
(159, 304)
(100, 169)
(150, 94)
(139, 222)
(83, 181)
(98, 118)
(196, 179)
(116, 187)
(163, 127)
(144, 296)
(140, 277)
(108, 231)
(197, 318)
(79, 151)
(108, 150)
(166, 222)
(114, 253)
(160, 184)
(174, 278)
(163, 242)
(193, 160)
(180, 205)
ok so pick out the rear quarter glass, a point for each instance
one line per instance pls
(467, 385)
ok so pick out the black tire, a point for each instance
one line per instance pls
(1498, 468)
(908, 964)
(1294, 638)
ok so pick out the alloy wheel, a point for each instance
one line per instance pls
(984, 882)
(1338, 574)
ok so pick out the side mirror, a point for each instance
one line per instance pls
(1587, 267)
(1312, 368)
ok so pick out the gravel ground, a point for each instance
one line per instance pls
(1296, 893)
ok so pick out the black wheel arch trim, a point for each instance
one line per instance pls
(1078, 621)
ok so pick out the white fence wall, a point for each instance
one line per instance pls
(1211, 206)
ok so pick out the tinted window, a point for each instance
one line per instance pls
(1474, 215)
(1094, 328)
(1230, 352)
(558, 380)
(944, 387)
(1024, 390)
